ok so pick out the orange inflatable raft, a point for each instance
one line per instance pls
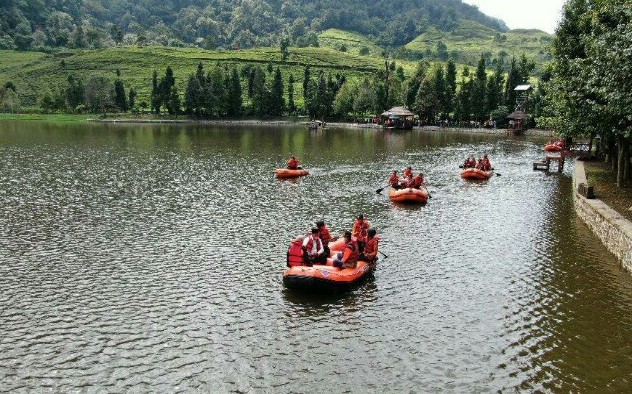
(552, 148)
(408, 195)
(475, 173)
(287, 173)
(328, 277)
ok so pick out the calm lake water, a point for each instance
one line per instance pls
(150, 258)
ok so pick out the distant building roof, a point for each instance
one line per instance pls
(398, 111)
(518, 115)
(523, 87)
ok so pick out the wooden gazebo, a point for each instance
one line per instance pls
(518, 121)
(398, 118)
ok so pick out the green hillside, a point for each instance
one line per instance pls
(33, 72)
(469, 40)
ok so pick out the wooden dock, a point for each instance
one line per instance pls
(545, 165)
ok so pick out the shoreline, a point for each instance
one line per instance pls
(333, 125)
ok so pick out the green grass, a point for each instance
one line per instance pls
(57, 118)
(334, 38)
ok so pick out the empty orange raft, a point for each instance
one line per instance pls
(408, 195)
(475, 173)
(328, 277)
(287, 173)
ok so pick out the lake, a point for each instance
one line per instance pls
(150, 258)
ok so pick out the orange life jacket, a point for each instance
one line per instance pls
(351, 255)
(370, 249)
(360, 230)
(295, 255)
(325, 235)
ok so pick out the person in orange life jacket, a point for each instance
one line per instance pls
(295, 253)
(324, 235)
(371, 248)
(408, 172)
(360, 230)
(313, 249)
(348, 258)
(418, 181)
(487, 166)
(393, 181)
(292, 163)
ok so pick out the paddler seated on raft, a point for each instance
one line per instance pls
(487, 166)
(324, 235)
(313, 249)
(360, 231)
(408, 172)
(394, 181)
(371, 248)
(348, 258)
(470, 162)
(292, 163)
(295, 255)
(418, 181)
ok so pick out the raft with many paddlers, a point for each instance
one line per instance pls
(408, 195)
(476, 173)
(288, 173)
(327, 277)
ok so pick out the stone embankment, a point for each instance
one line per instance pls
(614, 231)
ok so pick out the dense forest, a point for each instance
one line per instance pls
(44, 25)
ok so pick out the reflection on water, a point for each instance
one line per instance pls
(149, 258)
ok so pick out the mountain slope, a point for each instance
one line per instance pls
(39, 24)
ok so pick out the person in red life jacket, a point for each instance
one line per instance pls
(408, 172)
(325, 236)
(348, 258)
(393, 181)
(313, 249)
(479, 164)
(360, 231)
(471, 162)
(418, 181)
(409, 182)
(371, 248)
(487, 166)
(292, 163)
(295, 253)
(466, 163)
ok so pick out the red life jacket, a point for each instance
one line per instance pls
(393, 180)
(310, 244)
(295, 255)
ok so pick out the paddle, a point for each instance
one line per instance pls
(378, 191)
(380, 252)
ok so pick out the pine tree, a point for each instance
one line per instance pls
(290, 95)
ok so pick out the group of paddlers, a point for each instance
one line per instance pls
(360, 244)
(408, 180)
(481, 164)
